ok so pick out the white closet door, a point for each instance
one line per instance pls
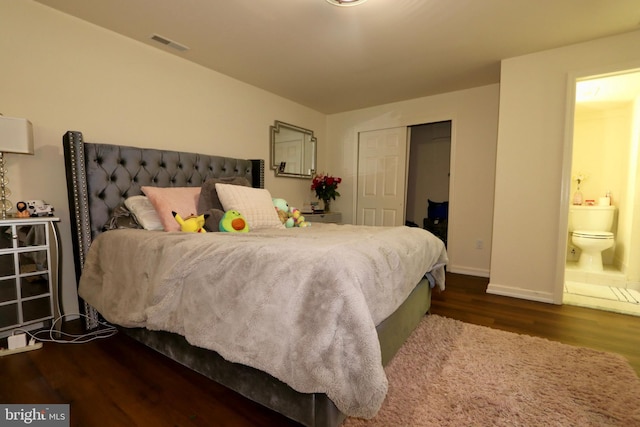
(382, 160)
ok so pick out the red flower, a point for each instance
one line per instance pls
(326, 186)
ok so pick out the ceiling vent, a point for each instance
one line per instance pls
(170, 43)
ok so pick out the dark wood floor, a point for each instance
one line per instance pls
(465, 299)
(118, 382)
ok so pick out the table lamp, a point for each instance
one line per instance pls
(16, 136)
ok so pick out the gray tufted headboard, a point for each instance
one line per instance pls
(101, 176)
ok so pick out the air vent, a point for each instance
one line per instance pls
(170, 43)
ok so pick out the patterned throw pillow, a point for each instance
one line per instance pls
(255, 204)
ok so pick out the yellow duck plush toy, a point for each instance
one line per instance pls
(191, 224)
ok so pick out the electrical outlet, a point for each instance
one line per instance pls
(479, 244)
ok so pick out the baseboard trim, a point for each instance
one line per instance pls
(508, 291)
(468, 271)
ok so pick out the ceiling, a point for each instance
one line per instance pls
(334, 59)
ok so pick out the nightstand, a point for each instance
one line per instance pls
(29, 266)
(334, 217)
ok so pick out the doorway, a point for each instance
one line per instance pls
(399, 171)
(605, 160)
(428, 177)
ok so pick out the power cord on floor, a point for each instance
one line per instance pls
(105, 330)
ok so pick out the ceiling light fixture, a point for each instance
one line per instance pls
(345, 3)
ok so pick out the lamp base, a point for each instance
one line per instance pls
(5, 204)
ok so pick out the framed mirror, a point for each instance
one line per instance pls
(293, 151)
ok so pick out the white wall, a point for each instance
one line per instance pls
(532, 180)
(474, 115)
(65, 74)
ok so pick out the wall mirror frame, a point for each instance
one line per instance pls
(293, 151)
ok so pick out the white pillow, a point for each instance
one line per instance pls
(144, 212)
(255, 204)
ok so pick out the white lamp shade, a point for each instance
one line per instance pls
(16, 135)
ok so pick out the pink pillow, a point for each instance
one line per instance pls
(183, 200)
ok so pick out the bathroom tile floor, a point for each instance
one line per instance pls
(606, 290)
(609, 277)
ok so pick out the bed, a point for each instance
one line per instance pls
(331, 356)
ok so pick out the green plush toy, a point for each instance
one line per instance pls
(191, 224)
(233, 222)
(284, 213)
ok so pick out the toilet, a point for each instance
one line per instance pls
(591, 231)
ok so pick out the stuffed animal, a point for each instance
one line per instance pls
(191, 224)
(298, 218)
(280, 204)
(285, 218)
(22, 210)
(282, 207)
(233, 222)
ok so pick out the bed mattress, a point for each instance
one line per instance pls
(300, 304)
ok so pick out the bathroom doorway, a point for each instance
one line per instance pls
(605, 161)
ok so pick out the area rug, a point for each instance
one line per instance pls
(451, 373)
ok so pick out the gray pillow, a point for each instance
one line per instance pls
(212, 222)
(209, 196)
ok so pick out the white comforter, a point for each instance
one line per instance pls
(300, 304)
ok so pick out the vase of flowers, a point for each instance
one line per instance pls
(577, 196)
(326, 188)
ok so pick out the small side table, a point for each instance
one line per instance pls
(29, 272)
(330, 217)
